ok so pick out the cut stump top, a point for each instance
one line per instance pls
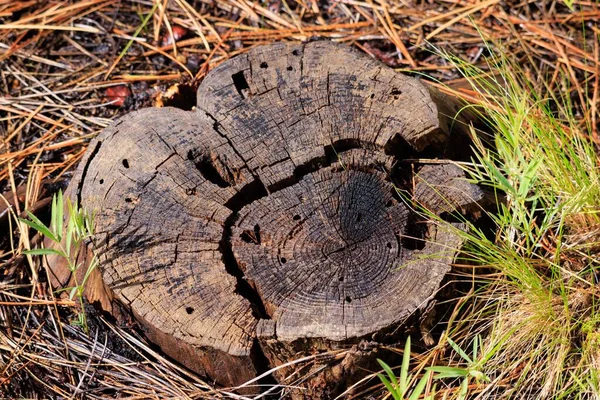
(268, 212)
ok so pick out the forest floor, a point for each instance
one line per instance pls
(68, 68)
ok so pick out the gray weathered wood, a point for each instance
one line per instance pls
(265, 220)
(443, 188)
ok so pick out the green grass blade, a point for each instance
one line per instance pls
(393, 391)
(137, 31)
(53, 225)
(464, 389)
(389, 372)
(73, 218)
(36, 224)
(58, 291)
(404, 369)
(59, 215)
(89, 224)
(44, 252)
(460, 351)
(448, 372)
(69, 236)
(418, 390)
(74, 291)
(91, 267)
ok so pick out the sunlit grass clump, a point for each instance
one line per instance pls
(537, 308)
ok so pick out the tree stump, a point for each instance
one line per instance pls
(265, 222)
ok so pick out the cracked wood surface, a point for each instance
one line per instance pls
(265, 222)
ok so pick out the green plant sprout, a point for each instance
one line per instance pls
(80, 227)
(399, 388)
(472, 370)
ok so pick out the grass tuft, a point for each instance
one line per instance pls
(540, 300)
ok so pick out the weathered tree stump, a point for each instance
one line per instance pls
(265, 222)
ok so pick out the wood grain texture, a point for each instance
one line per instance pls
(265, 221)
(443, 188)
